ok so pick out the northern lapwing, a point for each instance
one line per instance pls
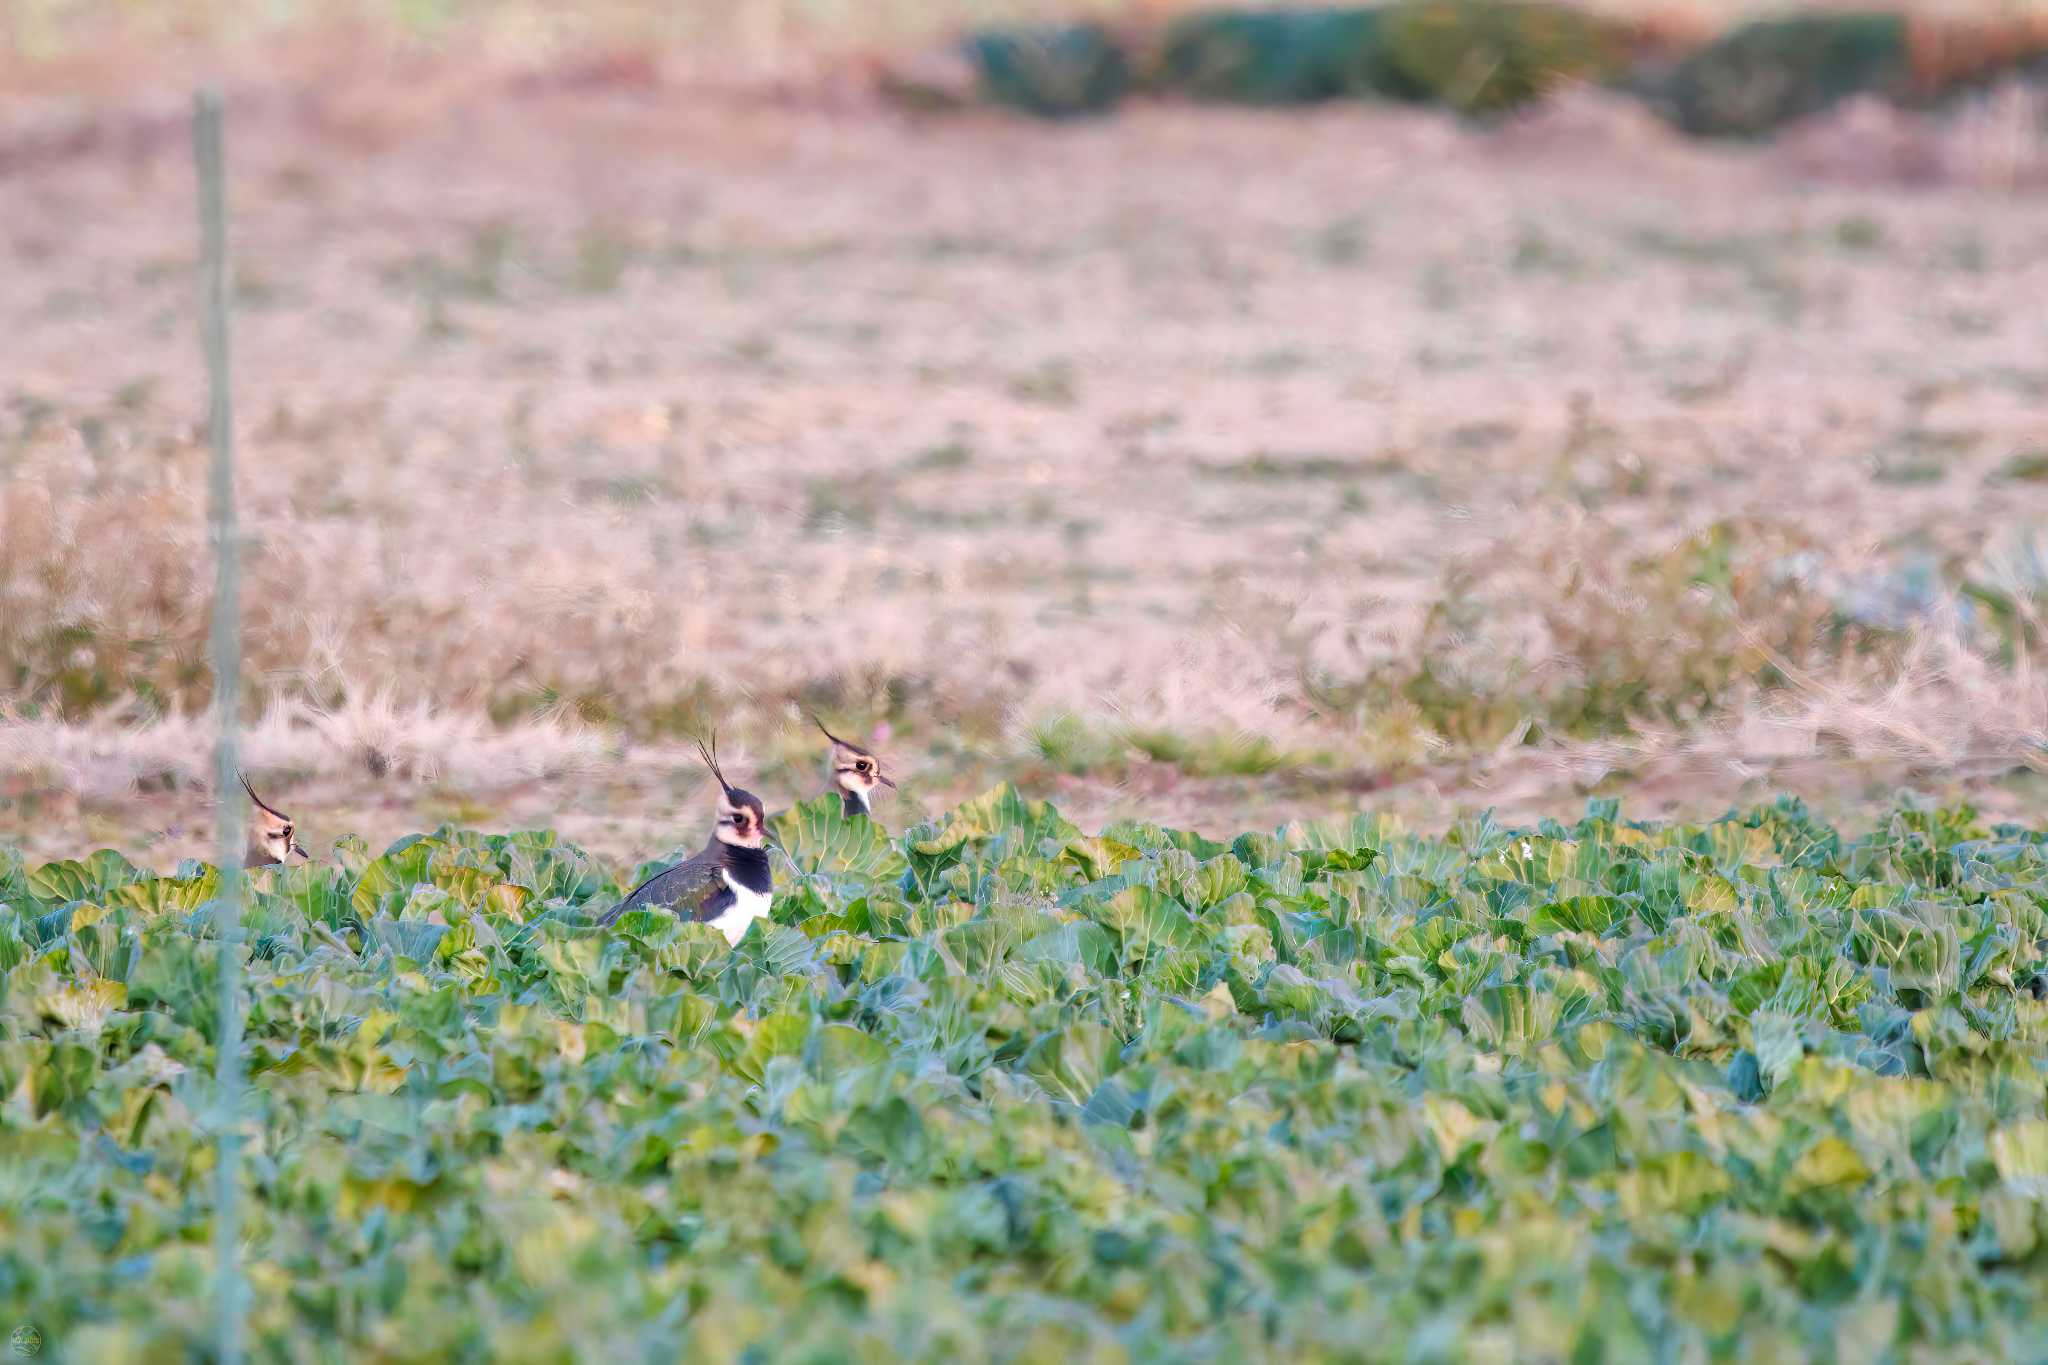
(729, 884)
(855, 774)
(274, 839)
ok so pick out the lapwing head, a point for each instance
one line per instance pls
(742, 819)
(275, 832)
(855, 770)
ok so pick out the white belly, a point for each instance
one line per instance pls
(747, 907)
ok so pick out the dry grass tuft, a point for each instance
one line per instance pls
(104, 758)
(1995, 141)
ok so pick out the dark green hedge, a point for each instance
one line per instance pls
(1051, 72)
(1766, 74)
(1283, 57)
(1489, 56)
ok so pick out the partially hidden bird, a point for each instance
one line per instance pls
(856, 772)
(274, 838)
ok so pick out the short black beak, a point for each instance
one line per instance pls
(299, 849)
(885, 782)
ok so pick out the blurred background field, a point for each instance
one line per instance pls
(603, 377)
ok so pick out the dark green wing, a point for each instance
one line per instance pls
(691, 887)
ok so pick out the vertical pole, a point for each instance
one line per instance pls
(227, 660)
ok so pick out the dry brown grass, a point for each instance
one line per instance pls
(1140, 457)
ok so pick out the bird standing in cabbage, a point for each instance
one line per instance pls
(273, 839)
(856, 772)
(729, 883)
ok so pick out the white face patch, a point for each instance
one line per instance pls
(747, 907)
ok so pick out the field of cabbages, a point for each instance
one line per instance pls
(1002, 1089)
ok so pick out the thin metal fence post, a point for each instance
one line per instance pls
(227, 659)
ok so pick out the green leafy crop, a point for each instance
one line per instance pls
(996, 1089)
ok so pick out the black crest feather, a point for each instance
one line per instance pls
(257, 799)
(710, 756)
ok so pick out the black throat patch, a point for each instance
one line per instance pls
(749, 867)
